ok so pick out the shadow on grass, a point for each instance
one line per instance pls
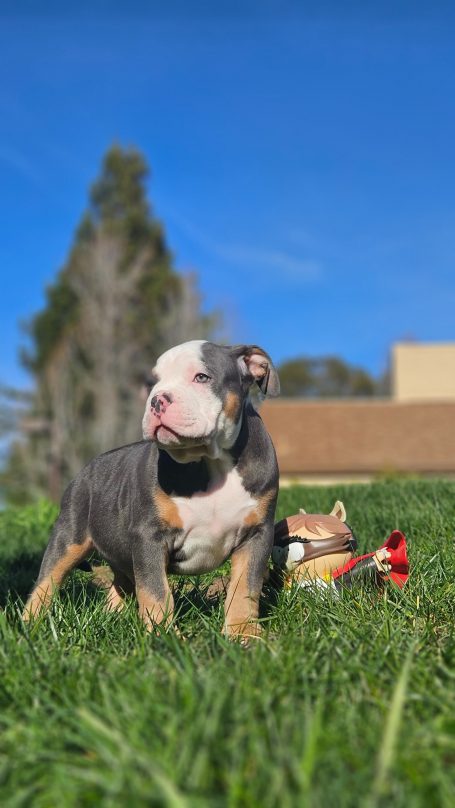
(190, 597)
(204, 598)
(18, 574)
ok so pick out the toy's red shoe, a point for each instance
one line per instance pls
(390, 562)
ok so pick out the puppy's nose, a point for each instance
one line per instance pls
(160, 403)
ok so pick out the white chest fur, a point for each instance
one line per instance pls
(211, 522)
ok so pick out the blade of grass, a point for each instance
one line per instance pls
(387, 748)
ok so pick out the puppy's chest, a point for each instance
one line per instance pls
(211, 524)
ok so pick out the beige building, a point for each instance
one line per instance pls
(413, 432)
(423, 372)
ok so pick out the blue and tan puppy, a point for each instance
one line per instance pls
(200, 488)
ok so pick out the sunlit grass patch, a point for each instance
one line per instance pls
(344, 701)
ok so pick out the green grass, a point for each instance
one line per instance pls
(344, 702)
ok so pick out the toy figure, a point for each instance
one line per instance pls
(319, 549)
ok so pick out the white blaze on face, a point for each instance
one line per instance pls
(194, 417)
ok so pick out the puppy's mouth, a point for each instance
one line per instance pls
(165, 436)
(162, 430)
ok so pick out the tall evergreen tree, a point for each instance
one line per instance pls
(115, 305)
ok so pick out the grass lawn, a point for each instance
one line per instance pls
(347, 702)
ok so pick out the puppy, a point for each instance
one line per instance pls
(199, 489)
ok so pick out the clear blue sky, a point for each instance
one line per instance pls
(303, 163)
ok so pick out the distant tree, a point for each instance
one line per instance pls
(326, 377)
(296, 377)
(9, 411)
(14, 407)
(114, 306)
(362, 384)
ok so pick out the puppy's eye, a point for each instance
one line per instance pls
(201, 378)
(150, 382)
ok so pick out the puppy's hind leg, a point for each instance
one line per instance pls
(119, 587)
(115, 583)
(68, 545)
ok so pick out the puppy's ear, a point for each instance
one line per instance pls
(256, 364)
(339, 511)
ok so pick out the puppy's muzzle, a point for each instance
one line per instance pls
(160, 403)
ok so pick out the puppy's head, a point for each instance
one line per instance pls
(198, 391)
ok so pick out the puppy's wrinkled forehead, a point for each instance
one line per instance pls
(180, 364)
(177, 364)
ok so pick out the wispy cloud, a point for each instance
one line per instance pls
(15, 160)
(250, 257)
(300, 237)
(278, 260)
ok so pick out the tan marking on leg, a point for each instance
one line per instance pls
(231, 406)
(42, 594)
(167, 510)
(115, 599)
(154, 611)
(242, 605)
(258, 514)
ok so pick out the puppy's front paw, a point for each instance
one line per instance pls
(243, 633)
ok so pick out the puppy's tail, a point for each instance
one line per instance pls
(102, 576)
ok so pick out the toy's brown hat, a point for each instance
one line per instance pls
(327, 533)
